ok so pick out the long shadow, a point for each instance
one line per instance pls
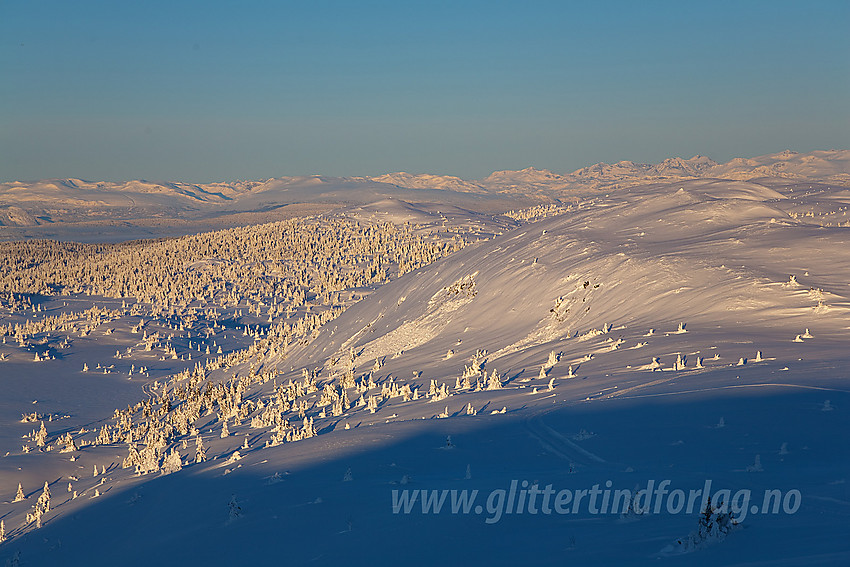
(292, 504)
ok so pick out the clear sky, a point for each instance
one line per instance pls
(208, 91)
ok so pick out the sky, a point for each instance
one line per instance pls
(220, 91)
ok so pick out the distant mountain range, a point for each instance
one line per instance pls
(75, 201)
(831, 166)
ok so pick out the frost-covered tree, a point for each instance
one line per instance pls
(234, 510)
(43, 501)
(149, 460)
(41, 436)
(714, 524)
(172, 462)
(70, 444)
(103, 438)
(37, 516)
(756, 466)
(133, 459)
(495, 381)
(20, 496)
(200, 450)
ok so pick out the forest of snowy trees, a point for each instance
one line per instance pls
(277, 283)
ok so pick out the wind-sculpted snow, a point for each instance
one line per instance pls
(692, 330)
(689, 252)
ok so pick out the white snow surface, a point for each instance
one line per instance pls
(621, 285)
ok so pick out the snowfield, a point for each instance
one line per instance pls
(565, 384)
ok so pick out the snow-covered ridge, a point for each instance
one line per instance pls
(829, 166)
(76, 200)
(697, 250)
(692, 330)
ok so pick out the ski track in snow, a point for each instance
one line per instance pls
(557, 444)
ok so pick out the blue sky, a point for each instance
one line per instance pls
(208, 91)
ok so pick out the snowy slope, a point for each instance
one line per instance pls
(699, 331)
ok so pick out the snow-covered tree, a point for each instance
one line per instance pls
(149, 460)
(172, 462)
(200, 450)
(44, 499)
(20, 496)
(133, 459)
(756, 466)
(234, 510)
(103, 438)
(495, 381)
(37, 516)
(714, 524)
(70, 444)
(41, 436)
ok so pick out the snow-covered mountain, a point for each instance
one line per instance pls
(829, 166)
(691, 333)
(72, 204)
(428, 181)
